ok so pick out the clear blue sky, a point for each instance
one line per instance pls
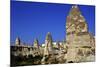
(30, 20)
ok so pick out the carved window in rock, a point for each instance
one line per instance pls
(80, 52)
(88, 53)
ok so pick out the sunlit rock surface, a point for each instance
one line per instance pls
(79, 45)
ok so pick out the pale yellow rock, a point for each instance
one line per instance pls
(48, 49)
(78, 38)
(36, 44)
(17, 42)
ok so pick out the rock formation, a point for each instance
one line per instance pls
(48, 44)
(58, 45)
(36, 44)
(79, 45)
(17, 42)
(78, 38)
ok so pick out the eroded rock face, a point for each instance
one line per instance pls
(79, 45)
(48, 49)
(79, 40)
(75, 21)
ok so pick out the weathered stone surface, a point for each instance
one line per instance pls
(75, 21)
(79, 40)
(17, 42)
(79, 45)
(48, 49)
(36, 44)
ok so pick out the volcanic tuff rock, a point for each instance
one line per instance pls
(78, 38)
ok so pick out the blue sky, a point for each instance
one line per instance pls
(30, 20)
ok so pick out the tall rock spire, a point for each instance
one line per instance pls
(36, 43)
(75, 21)
(17, 42)
(48, 44)
(49, 40)
(78, 37)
